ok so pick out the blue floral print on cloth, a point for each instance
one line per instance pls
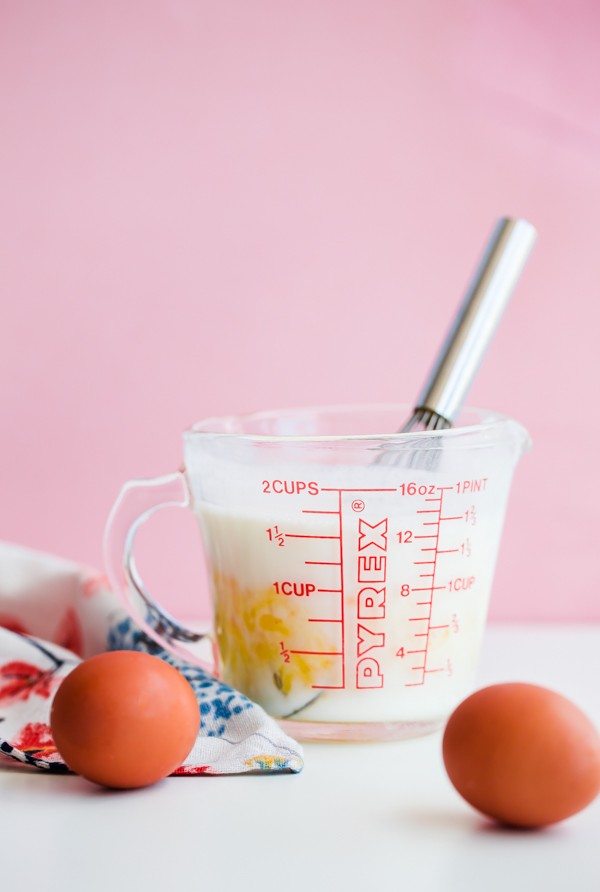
(54, 613)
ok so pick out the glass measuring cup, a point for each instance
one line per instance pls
(349, 594)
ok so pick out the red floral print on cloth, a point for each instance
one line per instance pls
(12, 624)
(69, 634)
(37, 644)
(35, 739)
(93, 584)
(189, 770)
(18, 680)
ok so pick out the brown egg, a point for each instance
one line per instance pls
(522, 754)
(124, 719)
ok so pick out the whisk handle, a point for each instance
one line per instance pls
(478, 317)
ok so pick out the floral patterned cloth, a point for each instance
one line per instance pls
(54, 613)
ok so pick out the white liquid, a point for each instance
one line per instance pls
(382, 623)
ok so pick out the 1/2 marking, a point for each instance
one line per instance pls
(284, 652)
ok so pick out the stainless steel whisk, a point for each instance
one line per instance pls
(445, 389)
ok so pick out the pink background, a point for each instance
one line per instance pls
(213, 207)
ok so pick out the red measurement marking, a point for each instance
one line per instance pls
(434, 499)
(418, 619)
(306, 536)
(423, 603)
(458, 517)
(422, 651)
(426, 635)
(315, 511)
(362, 489)
(447, 550)
(414, 684)
(325, 563)
(342, 598)
(446, 626)
(324, 620)
(319, 653)
(429, 588)
(334, 590)
(328, 687)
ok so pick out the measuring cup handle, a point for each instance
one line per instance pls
(137, 501)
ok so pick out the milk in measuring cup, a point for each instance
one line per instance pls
(355, 598)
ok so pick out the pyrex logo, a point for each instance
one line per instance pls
(371, 578)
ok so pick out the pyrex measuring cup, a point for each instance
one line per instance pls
(349, 595)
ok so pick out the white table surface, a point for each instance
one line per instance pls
(359, 816)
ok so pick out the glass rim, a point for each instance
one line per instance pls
(216, 426)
